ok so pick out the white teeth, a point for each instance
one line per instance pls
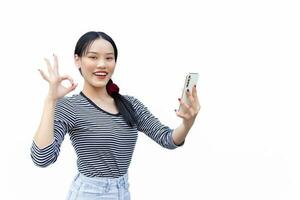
(100, 74)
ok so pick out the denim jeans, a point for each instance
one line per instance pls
(97, 188)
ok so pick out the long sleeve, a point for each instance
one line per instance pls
(152, 127)
(64, 121)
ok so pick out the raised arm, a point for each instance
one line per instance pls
(188, 116)
(43, 147)
(152, 127)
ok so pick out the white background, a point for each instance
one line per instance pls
(245, 143)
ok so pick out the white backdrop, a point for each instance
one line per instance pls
(245, 141)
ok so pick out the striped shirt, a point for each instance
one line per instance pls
(103, 141)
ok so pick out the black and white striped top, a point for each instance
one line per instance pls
(103, 142)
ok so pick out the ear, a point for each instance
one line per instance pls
(77, 61)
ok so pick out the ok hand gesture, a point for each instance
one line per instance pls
(56, 89)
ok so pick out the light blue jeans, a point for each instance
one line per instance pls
(96, 188)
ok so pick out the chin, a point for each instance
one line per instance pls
(96, 83)
(99, 84)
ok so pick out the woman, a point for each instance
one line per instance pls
(103, 125)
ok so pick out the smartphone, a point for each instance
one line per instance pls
(191, 79)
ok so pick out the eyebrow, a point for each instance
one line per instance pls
(97, 53)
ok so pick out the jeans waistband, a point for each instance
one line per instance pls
(119, 182)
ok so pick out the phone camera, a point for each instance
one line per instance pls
(188, 81)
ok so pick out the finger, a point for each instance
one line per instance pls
(183, 104)
(181, 115)
(68, 89)
(72, 87)
(194, 100)
(191, 98)
(55, 64)
(189, 109)
(194, 92)
(45, 77)
(48, 66)
(67, 77)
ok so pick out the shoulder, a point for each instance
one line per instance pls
(129, 97)
(135, 102)
(68, 101)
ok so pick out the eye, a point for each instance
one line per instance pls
(110, 58)
(92, 57)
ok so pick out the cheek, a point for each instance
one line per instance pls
(112, 66)
(89, 65)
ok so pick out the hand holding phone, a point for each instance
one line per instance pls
(190, 80)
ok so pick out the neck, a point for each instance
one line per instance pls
(99, 93)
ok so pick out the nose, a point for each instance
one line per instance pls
(101, 63)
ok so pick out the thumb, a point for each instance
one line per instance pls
(179, 114)
(72, 87)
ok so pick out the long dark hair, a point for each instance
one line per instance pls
(124, 106)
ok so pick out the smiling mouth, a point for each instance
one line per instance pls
(100, 74)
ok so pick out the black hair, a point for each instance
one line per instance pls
(124, 106)
(86, 40)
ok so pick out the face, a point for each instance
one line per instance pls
(98, 64)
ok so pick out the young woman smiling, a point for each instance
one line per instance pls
(103, 125)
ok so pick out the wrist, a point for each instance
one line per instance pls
(187, 124)
(50, 100)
